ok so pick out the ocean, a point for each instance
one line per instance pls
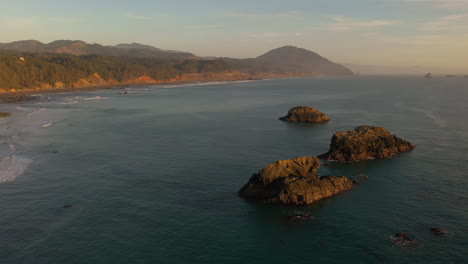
(152, 176)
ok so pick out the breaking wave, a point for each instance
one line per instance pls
(12, 166)
(37, 111)
(94, 98)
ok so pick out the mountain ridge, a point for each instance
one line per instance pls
(79, 47)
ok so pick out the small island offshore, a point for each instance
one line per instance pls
(305, 114)
(293, 181)
(32, 65)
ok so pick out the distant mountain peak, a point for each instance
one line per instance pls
(291, 58)
(135, 45)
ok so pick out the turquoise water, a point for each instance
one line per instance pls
(152, 175)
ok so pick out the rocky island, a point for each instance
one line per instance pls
(293, 181)
(305, 114)
(365, 142)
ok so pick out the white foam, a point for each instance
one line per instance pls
(191, 84)
(48, 124)
(12, 166)
(19, 108)
(37, 111)
(69, 102)
(95, 98)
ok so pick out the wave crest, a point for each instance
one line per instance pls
(12, 166)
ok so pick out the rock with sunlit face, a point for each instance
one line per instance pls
(293, 181)
(305, 114)
(365, 142)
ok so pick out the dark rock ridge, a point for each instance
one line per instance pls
(365, 142)
(293, 181)
(305, 114)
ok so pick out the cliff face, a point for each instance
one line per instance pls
(365, 142)
(305, 114)
(293, 181)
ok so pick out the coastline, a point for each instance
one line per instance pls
(17, 96)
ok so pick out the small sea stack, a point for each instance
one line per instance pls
(5, 114)
(293, 181)
(305, 114)
(428, 76)
(365, 142)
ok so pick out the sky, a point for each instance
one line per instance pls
(428, 34)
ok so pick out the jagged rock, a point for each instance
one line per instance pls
(293, 181)
(365, 142)
(305, 114)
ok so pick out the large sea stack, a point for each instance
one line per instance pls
(365, 142)
(305, 114)
(293, 181)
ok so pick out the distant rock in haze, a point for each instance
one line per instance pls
(450, 76)
(293, 181)
(365, 142)
(429, 75)
(305, 114)
(78, 47)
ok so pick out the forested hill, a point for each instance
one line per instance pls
(37, 69)
(32, 70)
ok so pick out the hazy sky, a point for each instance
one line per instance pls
(422, 33)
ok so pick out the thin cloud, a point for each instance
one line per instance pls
(66, 19)
(204, 26)
(20, 22)
(282, 16)
(447, 4)
(133, 16)
(446, 23)
(341, 24)
(422, 40)
(276, 34)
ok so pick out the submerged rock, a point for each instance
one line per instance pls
(403, 240)
(437, 231)
(365, 142)
(299, 216)
(293, 181)
(305, 114)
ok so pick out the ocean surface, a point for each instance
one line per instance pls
(152, 176)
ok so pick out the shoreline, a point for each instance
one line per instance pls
(28, 94)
